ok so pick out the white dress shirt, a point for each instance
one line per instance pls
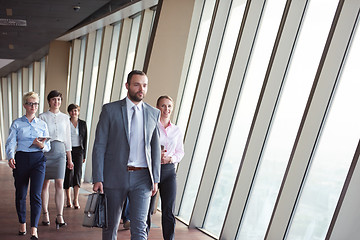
(171, 138)
(59, 127)
(75, 137)
(141, 162)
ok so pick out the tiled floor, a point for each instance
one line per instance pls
(9, 223)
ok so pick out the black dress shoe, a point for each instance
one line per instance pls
(22, 233)
(34, 237)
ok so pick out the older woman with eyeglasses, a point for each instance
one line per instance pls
(24, 149)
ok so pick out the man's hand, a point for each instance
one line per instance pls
(98, 186)
(155, 189)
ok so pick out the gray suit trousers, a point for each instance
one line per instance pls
(139, 192)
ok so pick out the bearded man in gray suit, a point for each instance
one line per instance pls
(126, 156)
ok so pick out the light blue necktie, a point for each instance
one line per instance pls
(134, 134)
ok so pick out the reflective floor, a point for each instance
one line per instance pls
(9, 226)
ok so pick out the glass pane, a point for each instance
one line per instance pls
(333, 155)
(134, 35)
(112, 62)
(212, 108)
(81, 70)
(244, 115)
(42, 84)
(69, 63)
(31, 77)
(94, 74)
(20, 93)
(9, 99)
(195, 64)
(287, 118)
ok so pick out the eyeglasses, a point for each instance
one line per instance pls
(36, 104)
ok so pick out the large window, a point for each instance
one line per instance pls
(20, 93)
(112, 62)
(333, 155)
(9, 102)
(245, 110)
(195, 64)
(212, 106)
(287, 119)
(31, 77)
(134, 35)
(94, 74)
(42, 84)
(81, 70)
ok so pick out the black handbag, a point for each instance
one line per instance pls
(95, 213)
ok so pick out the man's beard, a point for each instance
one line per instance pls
(134, 97)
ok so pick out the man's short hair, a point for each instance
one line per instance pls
(132, 73)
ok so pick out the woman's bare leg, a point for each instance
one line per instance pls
(45, 201)
(68, 197)
(76, 196)
(59, 199)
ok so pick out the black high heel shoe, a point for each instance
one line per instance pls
(45, 223)
(22, 233)
(59, 225)
(76, 206)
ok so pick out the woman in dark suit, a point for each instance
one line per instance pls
(78, 142)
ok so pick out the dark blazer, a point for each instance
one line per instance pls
(111, 147)
(83, 136)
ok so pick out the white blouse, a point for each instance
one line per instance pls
(75, 137)
(59, 127)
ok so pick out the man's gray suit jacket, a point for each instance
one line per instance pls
(111, 147)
